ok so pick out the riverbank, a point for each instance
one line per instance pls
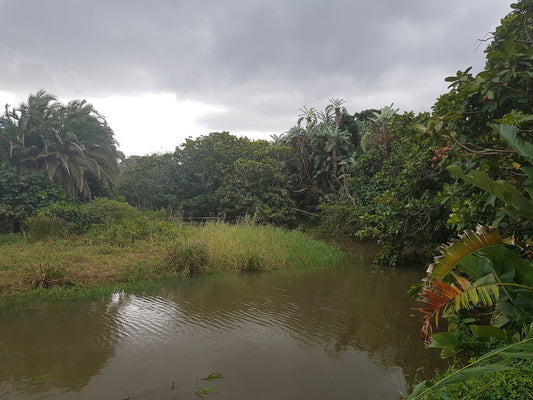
(78, 263)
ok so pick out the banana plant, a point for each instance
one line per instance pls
(502, 281)
(438, 296)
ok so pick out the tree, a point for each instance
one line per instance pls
(71, 144)
(322, 151)
(468, 120)
(258, 188)
(22, 196)
(151, 182)
(339, 111)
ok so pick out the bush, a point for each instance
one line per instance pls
(110, 212)
(77, 218)
(43, 226)
(23, 196)
(515, 384)
(189, 258)
(117, 222)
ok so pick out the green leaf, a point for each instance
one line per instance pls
(470, 373)
(453, 254)
(213, 375)
(510, 134)
(444, 339)
(417, 390)
(490, 94)
(205, 391)
(502, 190)
(529, 173)
(474, 266)
(486, 332)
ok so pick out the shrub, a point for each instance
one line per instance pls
(77, 218)
(514, 384)
(110, 212)
(23, 196)
(42, 226)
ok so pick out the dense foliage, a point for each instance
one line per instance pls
(483, 283)
(22, 196)
(214, 175)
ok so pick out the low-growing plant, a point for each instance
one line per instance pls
(42, 226)
(251, 262)
(188, 258)
(109, 212)
(47, 276)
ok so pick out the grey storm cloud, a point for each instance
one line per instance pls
(260, 60)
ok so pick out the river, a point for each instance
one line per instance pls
(336, 333)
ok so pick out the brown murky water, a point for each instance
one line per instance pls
(340, 333)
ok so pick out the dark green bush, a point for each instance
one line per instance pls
(77, 217)
(23, 196)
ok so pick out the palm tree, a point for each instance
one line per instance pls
(336, 105)
(381, 121)
(68, 143)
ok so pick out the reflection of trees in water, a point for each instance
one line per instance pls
(54, 346)
(338, 309)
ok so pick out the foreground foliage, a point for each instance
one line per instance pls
(483, 284)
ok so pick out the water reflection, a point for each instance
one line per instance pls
(54, 346)
(285, 335)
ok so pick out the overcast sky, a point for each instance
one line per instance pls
(163, 70)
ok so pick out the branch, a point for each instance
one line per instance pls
(483, 151)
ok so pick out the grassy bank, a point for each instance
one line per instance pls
(106, 258)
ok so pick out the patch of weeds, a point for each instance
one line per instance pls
(6, 239)
(251, 262)
(188, 258)
(514, 384)
(47, 276)
(42, 226)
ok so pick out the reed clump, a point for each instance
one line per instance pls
(188, 258)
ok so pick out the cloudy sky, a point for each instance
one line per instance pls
(163, 70)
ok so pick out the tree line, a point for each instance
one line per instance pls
(402, 179)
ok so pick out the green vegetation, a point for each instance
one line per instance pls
(483, 284)
(409, 182)
(125, 245)
(72, 144)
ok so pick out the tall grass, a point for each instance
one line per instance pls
(169, 251)
(227, 246)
